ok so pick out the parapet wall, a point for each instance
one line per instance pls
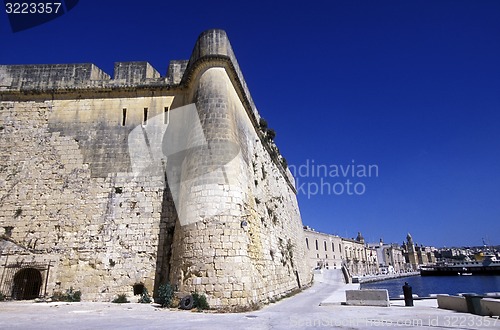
(64, 77)
(135, 72)
(49, 76)
(70, 198)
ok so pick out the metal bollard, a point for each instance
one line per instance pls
(408, 294)
(473, 302)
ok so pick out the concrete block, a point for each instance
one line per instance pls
(453, 303)
(492, 294)
(490, 306)
(435, 295)
(374, 297)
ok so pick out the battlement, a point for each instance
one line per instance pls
(50, 77)
(211, 45)
(135, 72)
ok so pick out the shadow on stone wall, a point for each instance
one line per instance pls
(168, 221)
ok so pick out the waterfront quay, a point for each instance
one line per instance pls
(382, 277)
(302, 311)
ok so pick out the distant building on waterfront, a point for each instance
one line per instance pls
(390, 257)
(410, 252)
(469, 253)
(416, 255)
(326, 251)
(358, 258)
(323, 250)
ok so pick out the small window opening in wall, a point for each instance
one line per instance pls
(138, 289)
(166, 115)
(145, 117)
(118, 190)
(124, 116)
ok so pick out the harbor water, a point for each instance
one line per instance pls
(427, 285)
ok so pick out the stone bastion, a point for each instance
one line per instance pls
(113, 185)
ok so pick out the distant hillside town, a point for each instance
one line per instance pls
(359, 258)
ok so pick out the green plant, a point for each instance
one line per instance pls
(284, 163)
(269, 211)
(263, 124)
(240, 309)
(275, 219)
(2, 297)
(274, 154)
(165, 295)
(271, 134)
(8, 231)
(286, 250)
(200, 301)
(145, 297)
(121, 299)
(69, 295)
(289, 248)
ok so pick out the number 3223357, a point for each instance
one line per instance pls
(32, 7)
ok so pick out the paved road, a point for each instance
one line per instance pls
(299, 312)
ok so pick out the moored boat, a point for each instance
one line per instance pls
(488, 266)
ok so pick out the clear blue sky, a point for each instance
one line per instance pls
(410, 86)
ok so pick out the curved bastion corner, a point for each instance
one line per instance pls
(115, 185)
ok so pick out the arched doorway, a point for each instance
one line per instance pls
(27, 283)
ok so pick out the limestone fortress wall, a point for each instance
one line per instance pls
(139, 179)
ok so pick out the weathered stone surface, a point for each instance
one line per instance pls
(73, 209)
(372, 297)
(490, 306)
(49, 76)
(453, 303)
(135, 72)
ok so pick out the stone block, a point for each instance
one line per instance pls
(454, 303)
(372, 297)
(490, 306)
